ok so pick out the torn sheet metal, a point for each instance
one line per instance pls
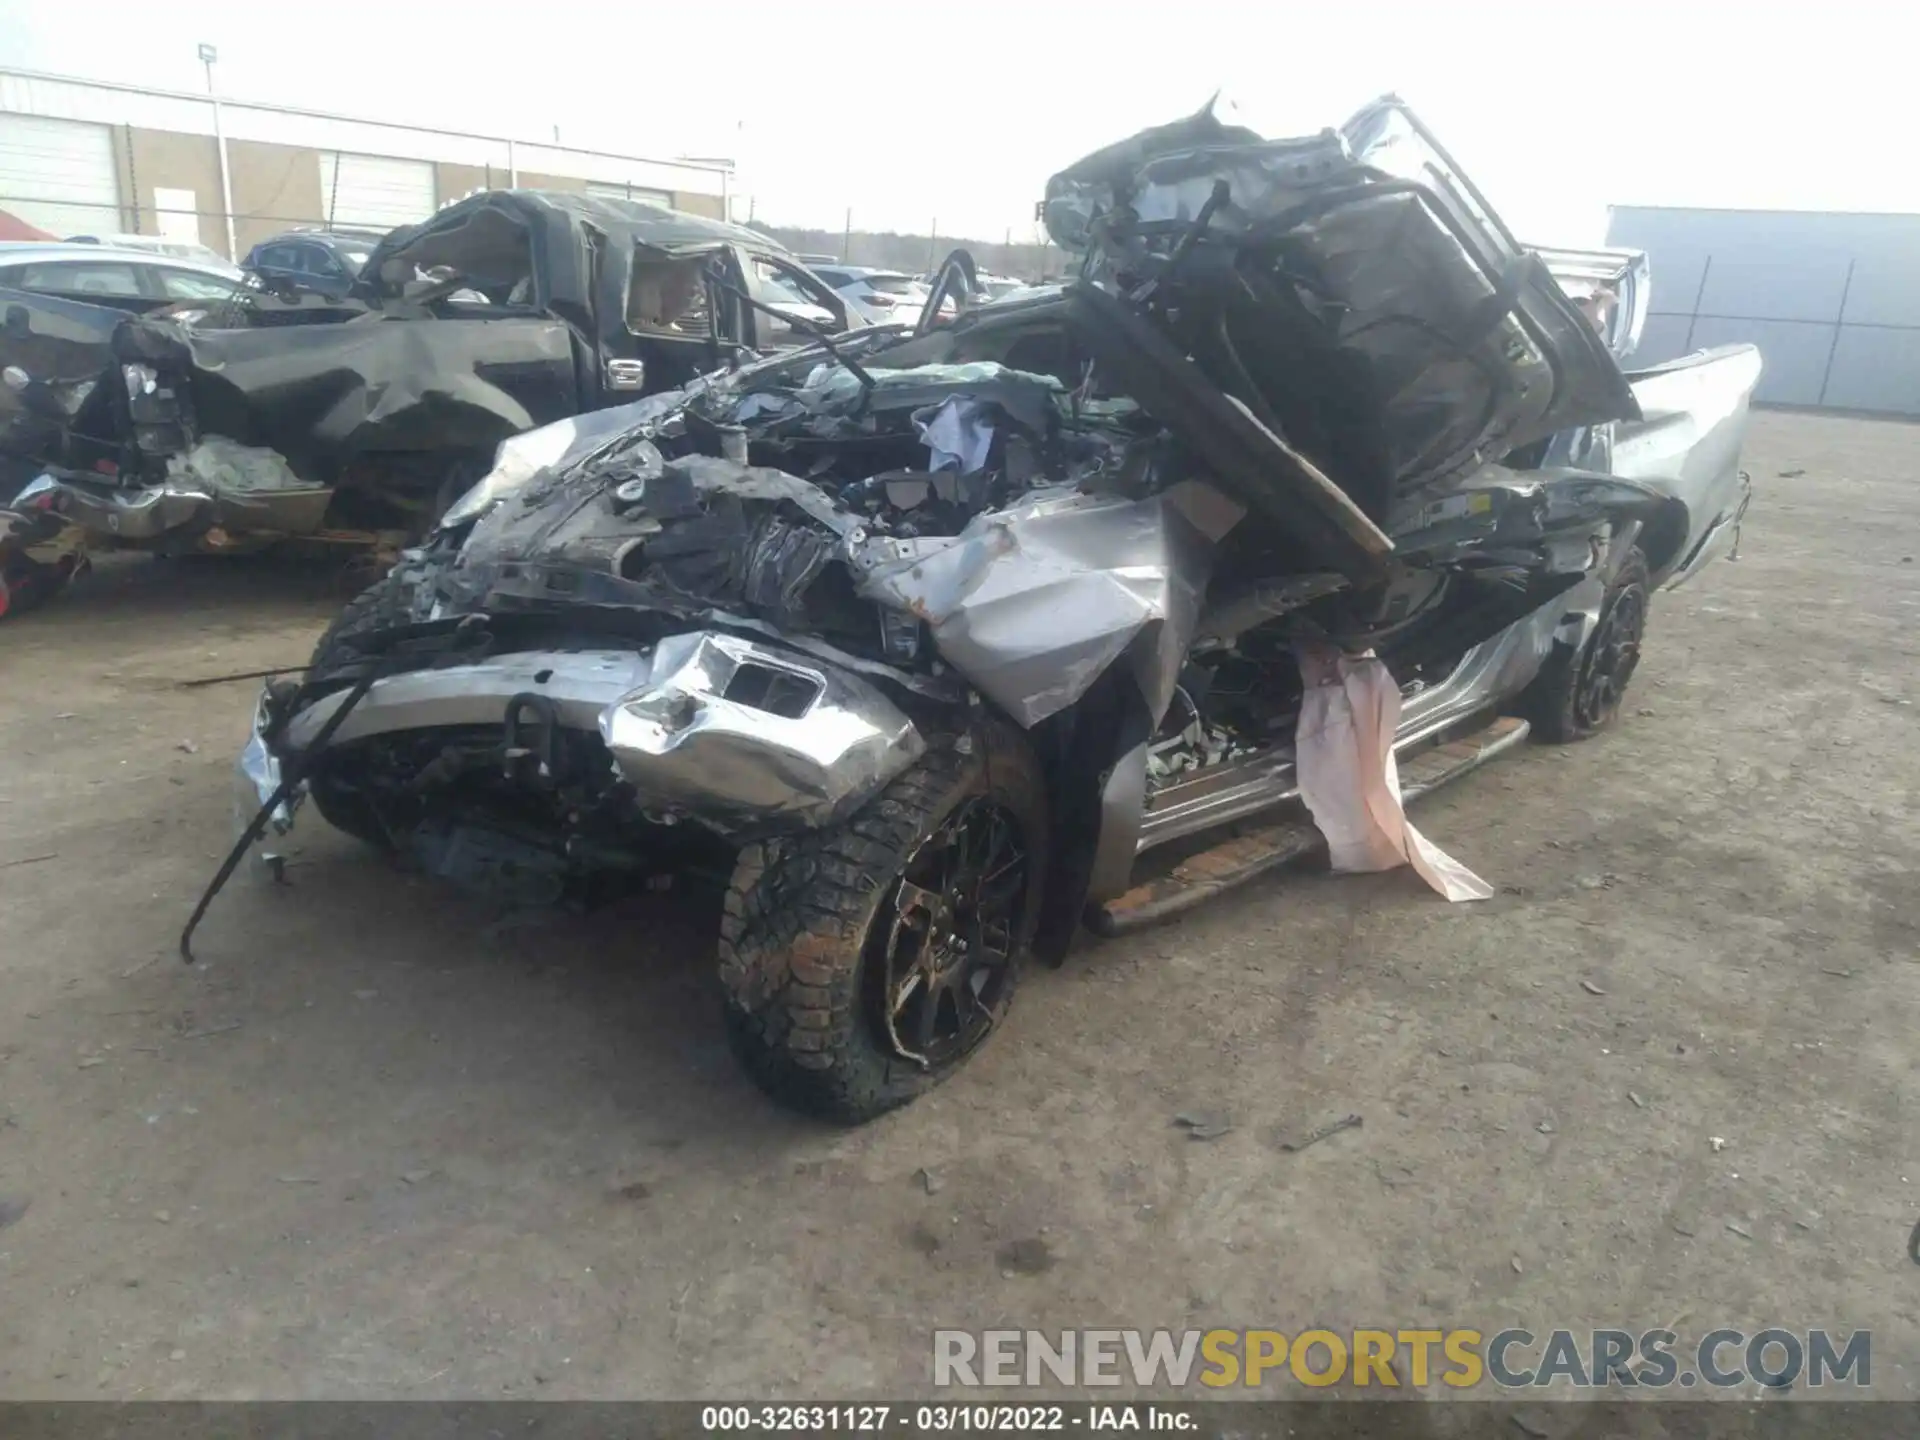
(1543, 520)
(710, 474)
(685, 738)
(1165, 175)
(326, 393)
(1376, 304)
(53, 353)
(1033, 604)
(764, 405)
(1349, 780)
(152, 511)
(631, 529)
(561, 444)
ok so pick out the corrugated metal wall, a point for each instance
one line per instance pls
(1832, 300)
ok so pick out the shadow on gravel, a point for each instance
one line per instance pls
(119, 588)
(607, 1020)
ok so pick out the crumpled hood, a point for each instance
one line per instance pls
(1352, 288)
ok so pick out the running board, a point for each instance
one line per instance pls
(1247, 856)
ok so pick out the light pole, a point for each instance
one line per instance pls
(208, 54)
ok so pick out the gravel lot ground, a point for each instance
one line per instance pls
(378, 1144)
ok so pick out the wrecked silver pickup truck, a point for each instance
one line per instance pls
(948, 641)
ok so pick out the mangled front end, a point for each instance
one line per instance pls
(658, 627)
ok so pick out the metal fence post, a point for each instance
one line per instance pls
(1846, 287)
(1693, 316)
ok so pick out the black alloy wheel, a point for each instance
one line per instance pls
(947, 935)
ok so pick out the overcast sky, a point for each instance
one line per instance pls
(894, 110)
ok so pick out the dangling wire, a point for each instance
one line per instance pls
(291, 776)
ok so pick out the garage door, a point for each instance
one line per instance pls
(59, 175)
(373, 192)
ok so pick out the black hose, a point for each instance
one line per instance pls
(291, 775)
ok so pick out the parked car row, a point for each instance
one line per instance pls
(893, 296)
(883, 295)
(116, 269)
(122, 278)
(139, 273)
(164, 245)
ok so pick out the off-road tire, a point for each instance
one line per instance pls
(1552, 703)
(388, 601)
(793, 935)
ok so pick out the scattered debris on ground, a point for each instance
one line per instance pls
(1314, 1137)
(1203, 1124)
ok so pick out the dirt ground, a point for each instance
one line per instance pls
(378, 1144)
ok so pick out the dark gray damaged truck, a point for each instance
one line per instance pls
(290, 416)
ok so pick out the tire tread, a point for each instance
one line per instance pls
(793, 929)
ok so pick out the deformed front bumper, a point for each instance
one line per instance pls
(724, 725)
(704, 725)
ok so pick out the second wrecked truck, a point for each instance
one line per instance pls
(297, 416)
